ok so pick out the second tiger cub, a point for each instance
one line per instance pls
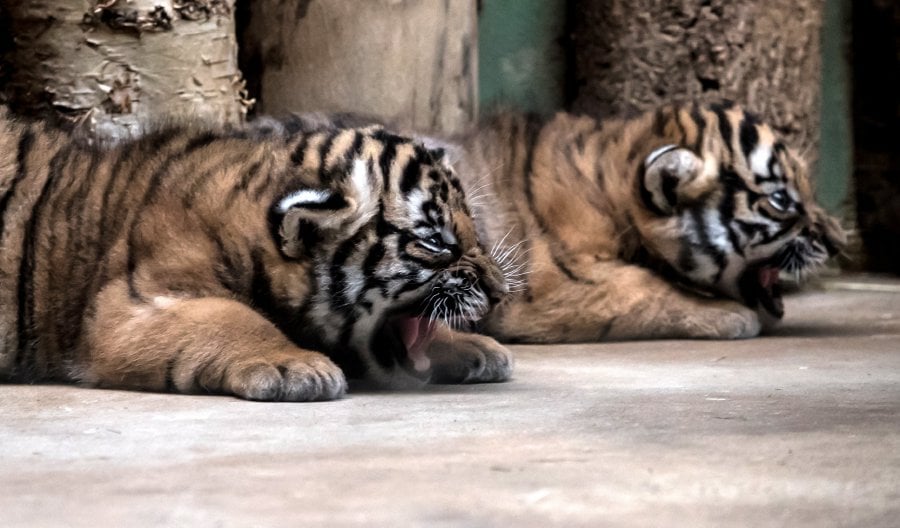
(675, 223)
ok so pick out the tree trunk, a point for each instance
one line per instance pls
(634, 54)
(411, 62)
(113, 66)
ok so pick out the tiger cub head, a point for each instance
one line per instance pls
(383, 220)
(728, 206)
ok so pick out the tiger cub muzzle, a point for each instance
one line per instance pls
(459, 296)
(811, 247)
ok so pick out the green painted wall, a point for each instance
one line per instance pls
(521, 63)
(835, 166)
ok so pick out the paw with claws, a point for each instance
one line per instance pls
(307, 376)
(723, 320)
(458, 357)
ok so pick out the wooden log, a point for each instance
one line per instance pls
(114, 65)
(411, 62)
(635, 54)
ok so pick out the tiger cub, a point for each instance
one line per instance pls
(675, 223)
(263, 264)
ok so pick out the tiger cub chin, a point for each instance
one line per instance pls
(262, 263)
(676, 223)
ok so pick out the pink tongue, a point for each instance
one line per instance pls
(768, 277)
(416, 333)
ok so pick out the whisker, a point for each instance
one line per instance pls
(509, 250)
(500, 243)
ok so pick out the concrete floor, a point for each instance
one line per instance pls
(797, 429)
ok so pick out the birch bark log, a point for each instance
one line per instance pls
(113, 66)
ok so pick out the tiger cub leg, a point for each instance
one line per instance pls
(202, 345)
(458, 357)
(619, 301)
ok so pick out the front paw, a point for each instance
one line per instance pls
(727, 320)
(458, 357)
(286, 377)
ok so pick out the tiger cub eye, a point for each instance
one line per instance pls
(780, 200)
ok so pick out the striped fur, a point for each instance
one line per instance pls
(229, 262)
(672, 224)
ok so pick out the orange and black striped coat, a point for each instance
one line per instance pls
(266, 262)
(674, 223)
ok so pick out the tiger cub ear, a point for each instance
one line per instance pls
(302, 217)
(442, 151)
(670, 178)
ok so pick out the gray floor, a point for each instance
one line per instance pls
(797, 429)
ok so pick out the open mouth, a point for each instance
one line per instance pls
(406, 334)
(760, 287)
(416, 333)
(405, 339)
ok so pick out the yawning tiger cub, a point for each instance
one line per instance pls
(675, 223)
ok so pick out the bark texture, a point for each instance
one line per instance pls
(633, 54)
(876, 130)
(113, 66)
(411, 62)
